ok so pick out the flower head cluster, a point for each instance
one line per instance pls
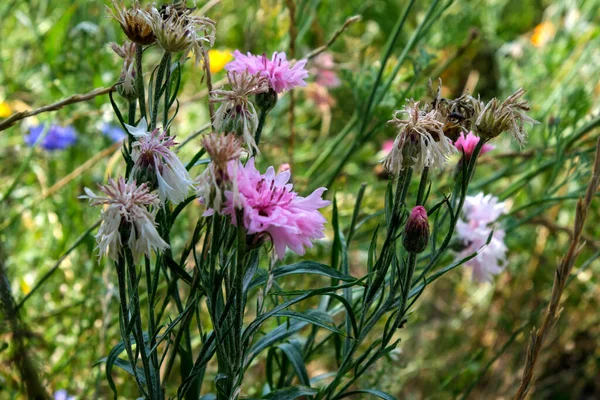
(480, 212)
(176, 29)
(236, 112)
(129, 217)
(420, 141)
(127, 87)
(154, 162)
(133, 22)
(466, 144)
(277, 70)
(509, 116)
(219, 175)
(271, 208)
(57, 138)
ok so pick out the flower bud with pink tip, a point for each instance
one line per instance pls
(416, 231)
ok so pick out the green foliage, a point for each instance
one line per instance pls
(357, 317)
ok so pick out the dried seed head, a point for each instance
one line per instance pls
(457, 115)
(509, 116)
(236, 112)
(177, 30)
(133, 22)
(222, 148)
(420, 142)
(127, 87)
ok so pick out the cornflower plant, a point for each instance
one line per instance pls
(252, 218)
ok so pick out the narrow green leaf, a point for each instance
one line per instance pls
(293, 352)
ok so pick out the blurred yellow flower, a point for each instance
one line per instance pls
(218, 59)
(5, 110)
(542, 34)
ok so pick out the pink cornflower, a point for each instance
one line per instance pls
(155, 162)
(479, 214)
(467, 144)
(130, 216)
(280, 74)
(272, 208)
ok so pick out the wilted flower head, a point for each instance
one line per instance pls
(219, 175)
(57, 138)
(155, 163)
(420, 142)
(479, 214)
(508, 116)
(457, 115)
(176, 29)
(133, 22)
(127, 87)
(236, 112)
(416, 231)
(277, 70)
(466, 144)
(127, 219)
(272, 209)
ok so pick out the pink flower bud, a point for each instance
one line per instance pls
(416, 231)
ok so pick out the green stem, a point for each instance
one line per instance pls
(158, 88)
(139, 79)
(261, 122)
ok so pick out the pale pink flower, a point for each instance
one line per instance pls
(270, 207)
(131, 212)
(467, 144)
(479, 215)
(280, 74)
(155, 162)
(387, 147)
(323, 70)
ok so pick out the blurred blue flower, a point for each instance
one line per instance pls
(62, 395)
(113, 132)
(57, 138)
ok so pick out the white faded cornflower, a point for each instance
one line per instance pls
(133, 22)
(129, 218)
(236, 112)
(420, 142)
(508, 116)
(177, 30)
(155, 163)
(480, 212)
(127, 87)
(210, 185)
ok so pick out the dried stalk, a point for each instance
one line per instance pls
(560, 279)
(10, 121)
(331, 40)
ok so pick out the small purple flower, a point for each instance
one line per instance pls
(281, 75)
(57, 138)
(62, 395)
(113, 132)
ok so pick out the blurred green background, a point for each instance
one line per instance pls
(463, 339)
